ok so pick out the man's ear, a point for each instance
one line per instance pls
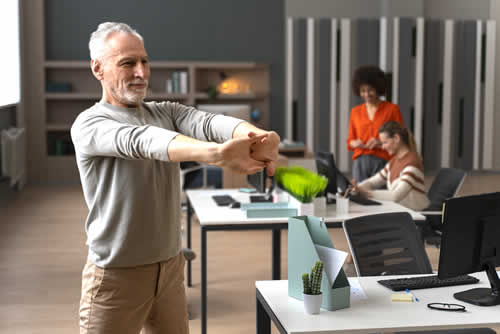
(97, 69)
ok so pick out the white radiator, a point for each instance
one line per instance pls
(13, 156)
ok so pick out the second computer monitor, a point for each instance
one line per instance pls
(471, 243)
(258, 181)
(325, 165)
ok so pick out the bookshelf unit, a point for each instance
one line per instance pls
(70, 88)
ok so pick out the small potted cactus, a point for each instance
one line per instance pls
(312, 289)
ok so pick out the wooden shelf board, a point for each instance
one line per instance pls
(58, 127)
(73, 96)
(67, 64)
(177, 96)
(70, 158)
(242, 96)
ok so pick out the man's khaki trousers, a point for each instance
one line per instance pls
(126, 300)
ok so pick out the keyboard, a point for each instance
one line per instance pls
(426, 282)
(363, 200)
(223, 200)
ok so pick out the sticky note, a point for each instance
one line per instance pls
(402, 297)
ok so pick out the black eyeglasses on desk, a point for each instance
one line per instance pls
(447, 307)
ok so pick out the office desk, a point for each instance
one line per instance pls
(218, 218)
(373, 315)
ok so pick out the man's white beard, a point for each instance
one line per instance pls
(133, 97)
(130, 97)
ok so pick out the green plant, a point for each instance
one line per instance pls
(301, 183)
(312, 282)
(212, 92)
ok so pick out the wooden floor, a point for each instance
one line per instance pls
(42, 252)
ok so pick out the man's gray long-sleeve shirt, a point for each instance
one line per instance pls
(130, 187)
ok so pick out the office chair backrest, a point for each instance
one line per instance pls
(446, 185)
(386, 244)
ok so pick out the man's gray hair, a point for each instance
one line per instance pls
(97, 43)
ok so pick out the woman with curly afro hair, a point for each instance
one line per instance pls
(370, 84)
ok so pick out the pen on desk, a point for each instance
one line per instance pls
(347, 191)
(411, 293)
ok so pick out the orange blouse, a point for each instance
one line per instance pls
(361, 127)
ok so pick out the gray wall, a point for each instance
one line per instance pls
(333, 8)
(219, 30)
(457, 9)
(402, 8)
(431, 9)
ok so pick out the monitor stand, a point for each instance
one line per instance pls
(483, 296)
(331, 200)
(268, 197)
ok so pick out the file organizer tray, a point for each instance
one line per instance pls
(303, 233)
(269, 210)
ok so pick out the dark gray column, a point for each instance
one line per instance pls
(433, 72)
(323, 70)
(407, 35)
(465, 111)
(366, 44)
(458, 96)
(299, 87)
(299, 81)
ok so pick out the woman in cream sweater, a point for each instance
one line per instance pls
(403, 174)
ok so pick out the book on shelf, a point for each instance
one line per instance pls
(178, 83)
(183, 82)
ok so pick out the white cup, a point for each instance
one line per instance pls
(320, 206)
(342, 205)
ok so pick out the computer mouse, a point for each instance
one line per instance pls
(235, 205)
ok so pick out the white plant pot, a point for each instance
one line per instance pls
(303, 209)
(312, 303)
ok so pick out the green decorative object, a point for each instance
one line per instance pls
(304, 234)
(300, 182)
(212, 92)
(307, 284)
(312, 282)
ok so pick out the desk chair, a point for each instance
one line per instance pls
(446, 184)
(188, 167)
(386, 244)
(389, 244)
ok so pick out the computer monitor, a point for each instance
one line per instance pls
(258, 181)
(470, 243)
(325, 165)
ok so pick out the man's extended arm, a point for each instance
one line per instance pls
(234, 154)
(265, 149)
